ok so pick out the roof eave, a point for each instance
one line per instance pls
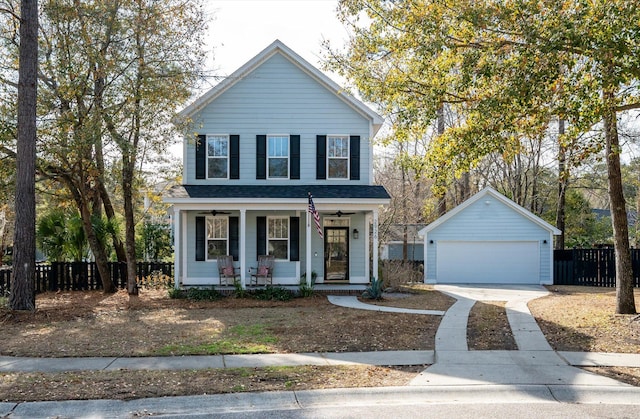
(277, 46)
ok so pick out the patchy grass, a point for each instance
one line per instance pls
(127, 384)
(582, 319)
(488, 327)
(94, 324)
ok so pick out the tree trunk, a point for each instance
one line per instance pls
(625, 303)
(442, 197)
(563, 181)
(130, 232)
(102, 263)
(24, 243)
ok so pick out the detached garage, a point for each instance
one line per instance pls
(489, 239)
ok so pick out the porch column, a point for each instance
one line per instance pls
(243, 245)
(308, 249)
(374, 251)
(177, 253)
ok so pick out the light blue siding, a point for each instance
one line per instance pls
(414, 251)
(279, 98)
(488, 219)
(206, 273)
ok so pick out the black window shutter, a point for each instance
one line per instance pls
(200, 238)
(294, 239)
(234, 155)
(201, 157)
(234, 238)
(261, 156)
(294, 143)
(261, 226)
(321, 157)
(354, 169)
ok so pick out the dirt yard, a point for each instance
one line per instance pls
(94, 324)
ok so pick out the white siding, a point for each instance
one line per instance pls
(279, 98)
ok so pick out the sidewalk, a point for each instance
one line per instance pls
(532, 374)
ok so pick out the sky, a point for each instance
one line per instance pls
(240, 29)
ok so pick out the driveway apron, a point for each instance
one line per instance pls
(535, 362)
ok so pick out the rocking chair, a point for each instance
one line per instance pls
(264, 270)
(226, 270)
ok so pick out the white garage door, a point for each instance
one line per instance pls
(488, 262)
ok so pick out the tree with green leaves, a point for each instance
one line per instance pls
(510, 68)
(112, 74)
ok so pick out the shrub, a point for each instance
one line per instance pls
(305, 290)
(238, 291)
(273, 294)
(176, 294)
(155, 280)
(374, 290)
(396, 273)
(199, 294)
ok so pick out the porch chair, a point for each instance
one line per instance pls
(263, 271)
(226, 270)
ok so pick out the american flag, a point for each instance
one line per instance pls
(316, 216)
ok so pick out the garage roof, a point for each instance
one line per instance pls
(497, 195)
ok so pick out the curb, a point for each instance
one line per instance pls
(308, 399)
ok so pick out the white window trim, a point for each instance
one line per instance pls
(288, 157)
(348, 158)
(228, 137)
(288, 221)
(211, 217)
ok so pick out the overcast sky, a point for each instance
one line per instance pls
(240, 29)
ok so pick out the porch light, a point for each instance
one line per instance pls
(356, 234)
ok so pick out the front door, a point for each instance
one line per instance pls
(336, 253)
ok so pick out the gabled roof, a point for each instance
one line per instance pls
(497, 195)
(277, 47)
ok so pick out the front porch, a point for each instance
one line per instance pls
(339, 251)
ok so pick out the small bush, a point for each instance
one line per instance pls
(199, 294)
(374, 290)
(156, 280)
(176, 294)
(397, 273)
(270, 293)
(238, 291)
(305, 290)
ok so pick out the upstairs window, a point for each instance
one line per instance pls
(217, 237)
(278, 156)
(217, 157)
(337, 157)
(278, 237)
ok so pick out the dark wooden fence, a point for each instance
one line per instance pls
(593, 267)
(75, 276)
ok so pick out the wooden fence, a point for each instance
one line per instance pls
(593, 267)
(75, 276)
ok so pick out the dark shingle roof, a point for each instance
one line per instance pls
(279, 191)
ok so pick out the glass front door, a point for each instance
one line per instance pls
(336, 253)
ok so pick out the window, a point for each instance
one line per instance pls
(278, 156)
(278, 237)
(337, 157)
(217, 156)
(217, 237)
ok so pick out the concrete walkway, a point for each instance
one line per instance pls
(534, 362)
(532, 374)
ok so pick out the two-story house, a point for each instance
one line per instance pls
(262, 140)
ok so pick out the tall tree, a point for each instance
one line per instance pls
(499, 63)
(24, 242)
